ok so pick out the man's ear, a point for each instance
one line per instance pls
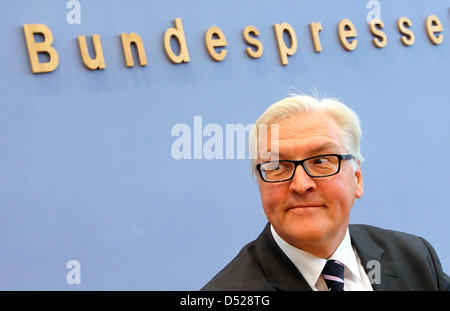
(359, 182)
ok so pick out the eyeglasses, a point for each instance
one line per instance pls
(319, 166)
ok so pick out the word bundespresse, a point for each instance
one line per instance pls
(215, 42)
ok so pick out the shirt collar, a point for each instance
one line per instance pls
(347, 255)
(311, 266)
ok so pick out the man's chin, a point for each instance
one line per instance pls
(303, 234)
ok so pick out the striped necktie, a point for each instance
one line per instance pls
(333, 274)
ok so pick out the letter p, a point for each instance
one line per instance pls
(285, 51)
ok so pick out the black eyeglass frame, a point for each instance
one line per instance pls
(301, 162)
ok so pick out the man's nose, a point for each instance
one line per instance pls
(301, 182)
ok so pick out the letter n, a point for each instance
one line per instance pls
(127, 40)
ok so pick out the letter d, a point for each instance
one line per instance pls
(178, 33)
(40, 47)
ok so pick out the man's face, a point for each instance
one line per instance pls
(311, 213)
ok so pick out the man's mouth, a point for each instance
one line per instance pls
(305, 207)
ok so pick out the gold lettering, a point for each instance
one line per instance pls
(403, 25)
(127, 40)
(346, 31)
(381, 39)
(283, 50)
(315, 28)
(219, 41)
(99, 61)
(40, 47)
(433, 26)
(178, 33)
(252, 41)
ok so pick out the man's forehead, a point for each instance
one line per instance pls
(302, 135)
(296, 149)
(308, 145)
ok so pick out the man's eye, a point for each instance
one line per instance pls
(321, 161)
(275, 167)
(272, 167)
(282, 166)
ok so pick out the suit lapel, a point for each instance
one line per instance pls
(380, 274)
(279, 269)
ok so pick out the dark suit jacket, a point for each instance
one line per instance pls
(407, 262)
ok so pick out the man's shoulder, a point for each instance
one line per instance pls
(374, 231)
(398, 248)
(383, 237)
(260, 266)
(408, 256)
(391, 241)
(242, 273)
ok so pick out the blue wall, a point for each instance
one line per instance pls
(87, 170)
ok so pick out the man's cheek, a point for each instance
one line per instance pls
(271, 203)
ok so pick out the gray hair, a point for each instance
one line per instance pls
(345, 117)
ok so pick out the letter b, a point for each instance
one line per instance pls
(40, 47)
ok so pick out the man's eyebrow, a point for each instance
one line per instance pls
(316, 149)
(323, 147)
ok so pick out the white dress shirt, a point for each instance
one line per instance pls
(310, 266)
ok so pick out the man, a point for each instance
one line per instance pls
(308, 181)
